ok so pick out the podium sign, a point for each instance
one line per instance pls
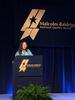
(27, 70)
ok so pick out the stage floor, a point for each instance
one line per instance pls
(57, 96)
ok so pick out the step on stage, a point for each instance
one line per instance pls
(57, 96)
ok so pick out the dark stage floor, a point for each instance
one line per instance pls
(57, 96)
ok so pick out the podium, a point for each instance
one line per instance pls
(27, 70)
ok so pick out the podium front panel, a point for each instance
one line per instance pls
(31, 70)
(31, 75)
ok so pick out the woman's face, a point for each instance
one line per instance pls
(24, 45)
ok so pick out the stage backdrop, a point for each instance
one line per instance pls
(55, 40)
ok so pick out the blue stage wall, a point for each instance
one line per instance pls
(58, 48)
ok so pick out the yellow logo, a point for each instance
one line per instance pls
(30, 26)
(23, 65)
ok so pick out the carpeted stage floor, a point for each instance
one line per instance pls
(57, 96)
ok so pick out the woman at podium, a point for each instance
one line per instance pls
(23, 50)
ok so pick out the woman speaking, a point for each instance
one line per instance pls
(23, 50)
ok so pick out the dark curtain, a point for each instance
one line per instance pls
(58, 62)
(59, 68)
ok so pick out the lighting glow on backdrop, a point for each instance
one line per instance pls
(55, 40)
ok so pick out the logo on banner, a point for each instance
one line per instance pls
(30, 26)
(25, 64)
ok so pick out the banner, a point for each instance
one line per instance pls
(45, 26)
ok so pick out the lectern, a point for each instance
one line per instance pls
(27, 70)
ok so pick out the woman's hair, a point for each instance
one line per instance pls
(20, 47)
